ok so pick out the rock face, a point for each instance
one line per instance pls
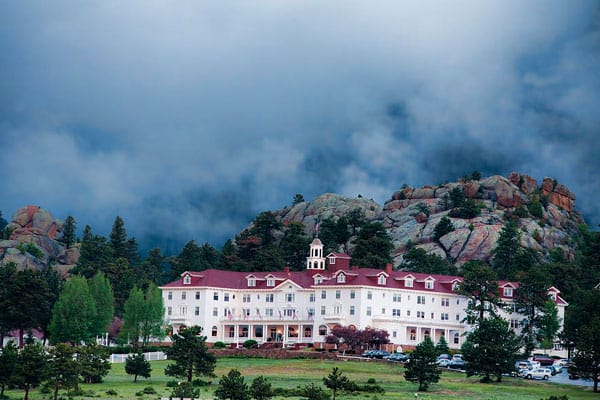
(473, 239)
(31, 224)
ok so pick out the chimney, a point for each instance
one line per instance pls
(388, 268)
(286, 269)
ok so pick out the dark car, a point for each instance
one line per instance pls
(368, 353)
(379, 354)
(397, 357)
(543, 360)
(457, 363)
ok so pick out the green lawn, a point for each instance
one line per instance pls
(292, 373)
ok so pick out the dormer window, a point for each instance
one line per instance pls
(455, 286)
(187, 280)
(429, 284)
(553, 295)
(270, 282)
(251, 282)
(331, 260)
(408, 282)
(318, 280)
(508, 291)
(341, 278)
(381, 280)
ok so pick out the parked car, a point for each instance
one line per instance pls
(457, 363)
(397, 357)
(457, 357)
(367, 353)
(543, 359)
(539, 373)
(556, 368)
(379, 354)
(443, 362)
(444, 356)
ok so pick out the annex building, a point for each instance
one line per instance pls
(300, 307)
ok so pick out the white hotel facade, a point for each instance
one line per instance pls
(301, 307)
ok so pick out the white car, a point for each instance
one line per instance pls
(539, 373)
(443, 362)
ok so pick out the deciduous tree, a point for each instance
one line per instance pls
(73, 313)
(102, 293)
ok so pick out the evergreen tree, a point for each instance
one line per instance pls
(422, 367)
(137, 365)
(95, 254)
(54, 283)
(3, 223)
(153, 268)
(491, 349)
(8, 365)
(190, 355)
(298, 198)
(373, 246)
(31, 368)
(530, 299)
(443, 227)
(73, 313)
(418, 260)
(118, 239)
(63, 368)
(587, 355)
(293, 245)
(94, 362)
(508, 247)
(441, 346)
(336, 381)
(313, 392)
(548, 324)
(261, 389)
(232, 387)
(122, 278)
(480, 286)
(68, 236)
(102, 293)
(580, 314)
(264, 226)
(355, 219)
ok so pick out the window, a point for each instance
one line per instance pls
(183, 295)
(369, 295)
(225, 296)
(341, 278)
(394, 334)
(381, 280)
(323, 294)
(457, 317)
(337, 310)
(216, 296)
(397, 297)
(289, 312)
(396, 312)
(444, 316)
(290, 297)
(270, 282)
(251, 282)
(445, 302)
(420, 314)
(245, 312)
(322, 330)
(215, 312)
(170, 295)
(169, 311)
(429, 284)
(246, 298)
(197, 311)
(369, 311)
(352, 294)
(268, 312)
(456, 338)
(308, 331)
(432, 316)
(187, 280)
(508, 292)
(351, 310)
(420, 299)
(338, 294)
(426, 333)
(413, 334)
(214, 331)
(331, 260)
(318, 280)
(455, 286)
(408, 313)
(244, 332)
(197, 295)
(231, 331)
(311, 298)
(182, 310)
(269, 297)
(408, 282)
(514, 323)
(322, 310)
(226, 312)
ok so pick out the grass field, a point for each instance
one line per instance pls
(292, 373)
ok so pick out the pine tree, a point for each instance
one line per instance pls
(443, 227)
(422, 367)
(441, 346)
(261, 389)
(63, 368)
(94, 362)
(232, 387)
(190, 355)
(137, 365)
(373, 246)
(8, 365)
(118, 239)
(31, 368)
(508, 247)
(480, 286)
(68, 236)
(336, 381)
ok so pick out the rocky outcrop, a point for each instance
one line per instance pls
(32, 224)
(473, 239)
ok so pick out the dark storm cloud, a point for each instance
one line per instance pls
(188, 118)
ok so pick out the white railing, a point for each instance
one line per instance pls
(153, 356)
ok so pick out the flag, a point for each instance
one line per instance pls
(229, 316)
(294, 314)
(280, 316)
(317, 225)
(258, 313)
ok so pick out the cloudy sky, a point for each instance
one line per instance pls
(187, 118)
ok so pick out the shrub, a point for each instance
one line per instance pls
(521, 211)
(185, 389)
(112, 392)
(535, 209)
(31, 249)
(424, 208)
(149, 390)
(250, 344)
(219, 345)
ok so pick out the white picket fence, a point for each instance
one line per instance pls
(153, 356)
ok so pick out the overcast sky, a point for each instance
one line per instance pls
(187, 118)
